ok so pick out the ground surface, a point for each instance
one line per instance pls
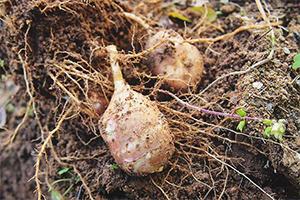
(44, 38)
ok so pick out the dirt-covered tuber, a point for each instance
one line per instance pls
(179, 63)
(135, 130)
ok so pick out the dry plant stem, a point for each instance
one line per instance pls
(228, 35)
(210, 112)
(267, 20)
(240, 173)
(42, 150)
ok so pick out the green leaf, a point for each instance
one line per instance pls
(179, 16)
(267, 122)
(63, 171)
(241, 125)
(296, 63)
(241, 112)
(1, 63)
(114, 166)
(267, 132)
(55, 195)
(211, 14)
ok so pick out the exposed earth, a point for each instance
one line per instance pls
(55, 65)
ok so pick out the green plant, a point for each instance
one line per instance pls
(56, 195)
(63, 170)
(242, 124)
(275, 129)
(114, 167)
(66, 175)
(179, 16)
(210, 13)
(296, 62)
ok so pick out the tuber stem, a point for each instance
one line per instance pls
(210, 112)
(116, 70)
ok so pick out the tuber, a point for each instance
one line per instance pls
(98, 102)
(177, 61)
(135, 130)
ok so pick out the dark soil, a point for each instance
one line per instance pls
(51, 32)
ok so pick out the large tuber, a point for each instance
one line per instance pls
(135, 130)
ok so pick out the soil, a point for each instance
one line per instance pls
(45, 39)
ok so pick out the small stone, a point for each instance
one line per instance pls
(2, 117)
(286, 50)
(228, 9)
(298, 141)
(199, 2)
(269, 107)
(257, 85)
(298, 82)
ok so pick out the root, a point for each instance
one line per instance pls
(83, 182)
(240, 173)
(260, 63)
(74, 75)
(73, 166)
(229, 35)
(28, 84)
(139, 20)
(13, 136)
(42, 151)
(163, 192)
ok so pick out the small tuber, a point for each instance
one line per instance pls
(177, 61)
(98, 102)
(135, 130)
